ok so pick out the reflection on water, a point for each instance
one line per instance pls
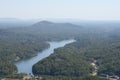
(25, 66)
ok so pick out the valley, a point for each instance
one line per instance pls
(21, 46)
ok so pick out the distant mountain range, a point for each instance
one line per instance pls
(13, 22)
(49, 30)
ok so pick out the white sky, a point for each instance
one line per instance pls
(76, 9)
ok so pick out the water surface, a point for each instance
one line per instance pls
(25, 66)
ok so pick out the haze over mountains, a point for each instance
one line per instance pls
(20, 40)
(47, 28)
(59, 39)
(14, 22)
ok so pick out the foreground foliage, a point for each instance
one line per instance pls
(7, 68)
(75, 59)
(72, 78)
(70, 62)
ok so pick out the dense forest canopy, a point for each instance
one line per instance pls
(96, 41)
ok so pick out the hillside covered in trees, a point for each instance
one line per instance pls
(18, 43)
(75, 59)
(70, 62)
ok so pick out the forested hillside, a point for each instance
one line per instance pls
(48, 31)
(20, 43)
(70, 62)
(15, 47)
(75, 59)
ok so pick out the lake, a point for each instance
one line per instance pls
(25, 66)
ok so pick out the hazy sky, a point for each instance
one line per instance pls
(79, 9)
